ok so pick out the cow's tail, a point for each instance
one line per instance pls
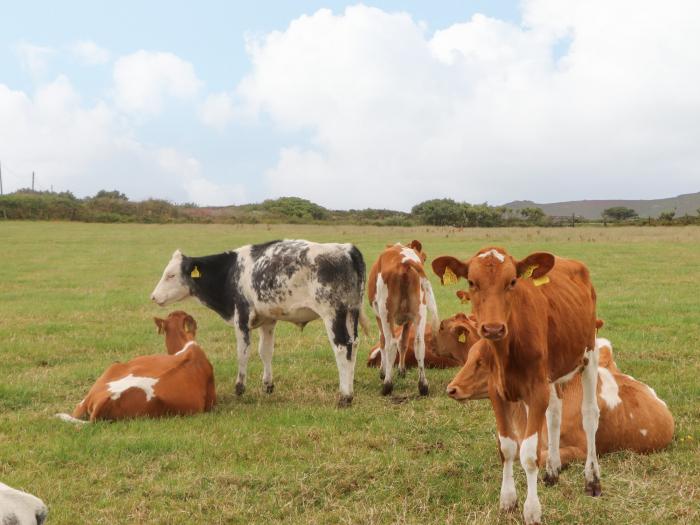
(431, 303)
(70, 419)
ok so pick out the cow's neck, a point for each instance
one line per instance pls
(176, 342)
(215, 286)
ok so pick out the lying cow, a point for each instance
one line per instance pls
(292, 280)
(178, 383)
(449, 349)
(632, 417)
(20, 508)
(401, 297)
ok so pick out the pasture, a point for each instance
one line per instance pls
(75, 297)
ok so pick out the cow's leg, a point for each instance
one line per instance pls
(382, 342)
(590, 414)
(403, 348)
(553, 415)
(419, 349)
(265, 349)
(508, 446)
(388, 356)
(243, 351)
(529, 453)
(341, 327)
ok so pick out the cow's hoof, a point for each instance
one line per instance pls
(423, 389)
(345, 401)
(382, 375)
(269, 388)
(550, 479)
(509, 506)
(593, 488)
(387, 388)
(240, 388)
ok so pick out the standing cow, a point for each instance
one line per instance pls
(401, 296)
(255, 286)
(538, 316)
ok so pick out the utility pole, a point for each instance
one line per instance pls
(32, 181)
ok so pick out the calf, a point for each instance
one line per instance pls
(292, 280)
(448, 349)
(401, 296)
(632, 417)
(178, 383)
(538, 317)
(20, 508)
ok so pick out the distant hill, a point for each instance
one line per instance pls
(682, 204)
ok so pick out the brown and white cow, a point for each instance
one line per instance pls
(447, 350)
(539, 336)
(632, 417)
(177, 383)
(401, 296)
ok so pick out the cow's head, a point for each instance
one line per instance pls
(493, 276)
(471, 382)
(178, 328)
(174, 285)
(455, 336)
(417, 247)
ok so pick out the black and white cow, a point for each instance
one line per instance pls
(20, 508)
(292, 280)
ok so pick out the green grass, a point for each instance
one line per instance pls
(74, 298)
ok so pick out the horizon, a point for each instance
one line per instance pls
(351, 106)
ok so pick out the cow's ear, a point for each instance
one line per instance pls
(416, 245)
(160, 324)
(535, 265)
(463, 296)
(190, 325)
(450, 269)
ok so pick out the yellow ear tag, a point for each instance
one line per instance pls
(462, 338)
(541, 280)
(528, 272)
(195, 273)
(449, 276)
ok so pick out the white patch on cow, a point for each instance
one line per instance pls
(118, 387)
(409, 254)
(184, 348)
(600, 342)
(171, 287)
(609, 390)
(20, 507)
(375, 352)
(70, 419)
(643, 431)
(653, 393)
(631, 415)
(493, 253)
(509, 449)
(566, 378)
(532, 511)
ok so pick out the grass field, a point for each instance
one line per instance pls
(75, 297)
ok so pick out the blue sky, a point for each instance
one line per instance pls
(457, 93)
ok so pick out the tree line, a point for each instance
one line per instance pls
(114, 206)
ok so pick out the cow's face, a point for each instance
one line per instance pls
(173, 285)
(493, 277)
(455, 336)
(471, 382)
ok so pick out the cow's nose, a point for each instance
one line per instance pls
(451, 391)
(493, 330)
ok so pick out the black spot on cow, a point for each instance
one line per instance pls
(272, 272)
(10, 519)
(341, 280)
(258, 250)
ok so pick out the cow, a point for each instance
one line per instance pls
(632, 417)
(255, 286)
(538, 317)
(20, 508)
(446, 350)
(180, 382)
(401, 296)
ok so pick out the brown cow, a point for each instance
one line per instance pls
(538, 317)
(178, 383)
(401, 295)
(632, 417)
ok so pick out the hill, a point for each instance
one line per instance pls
(592, 209)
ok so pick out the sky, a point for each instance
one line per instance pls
(382, 104)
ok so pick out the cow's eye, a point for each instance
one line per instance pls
(471, 284)
(513, 283)
(170, 276)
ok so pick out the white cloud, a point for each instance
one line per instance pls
(34, 58)
(145, 79)
(217, 110)
(483, 110)
(85, 149)
(89, 53)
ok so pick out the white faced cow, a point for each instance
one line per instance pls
(291, 280)
(20, 508)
